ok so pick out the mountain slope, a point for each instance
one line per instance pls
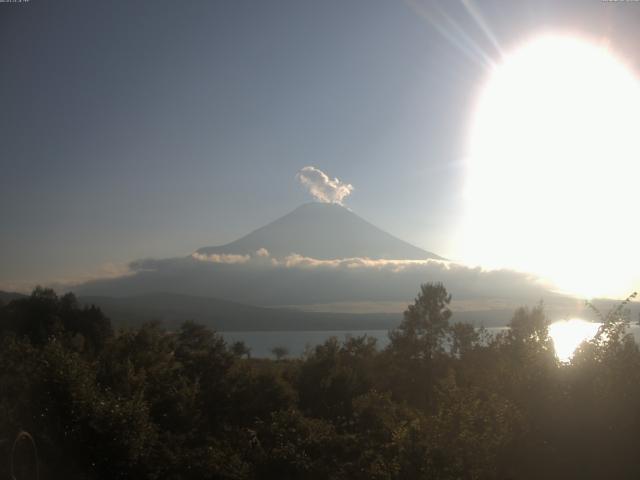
(222, 315)
(6, 297)
(323, 231)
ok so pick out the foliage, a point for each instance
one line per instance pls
(280, 352)
(442, 401)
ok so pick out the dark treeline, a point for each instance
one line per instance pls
(442, 401)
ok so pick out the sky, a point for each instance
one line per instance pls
(153, 128)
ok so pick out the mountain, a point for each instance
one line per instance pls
(6, 297)
(320, 232)
(173, 309)
(323, 231)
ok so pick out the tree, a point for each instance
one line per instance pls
(416, 354)
(280, 352)
(333, 374)
(36, 317)
(424, 328)
(44, 316)
(530, 327)
(240, 349)
(463, 338)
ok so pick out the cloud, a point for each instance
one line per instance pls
(464, 280)
(106, 271)
(233, 258)
(296, 260)
(323, 188)
(262, 279)
(221, 258)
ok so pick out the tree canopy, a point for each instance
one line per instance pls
(443, 400)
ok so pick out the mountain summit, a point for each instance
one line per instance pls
(324, 231)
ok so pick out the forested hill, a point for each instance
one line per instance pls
(172, 309)
(222, 315)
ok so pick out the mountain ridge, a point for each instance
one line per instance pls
(323, 231)
(223, 315)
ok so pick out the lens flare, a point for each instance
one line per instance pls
(553, 166)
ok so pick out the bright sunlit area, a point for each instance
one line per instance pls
(553, 167)
(568, 335)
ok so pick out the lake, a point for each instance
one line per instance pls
(296, 342)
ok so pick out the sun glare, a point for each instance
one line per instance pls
(553, 168)
(567, 335)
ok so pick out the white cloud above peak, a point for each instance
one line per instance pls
(322, 187)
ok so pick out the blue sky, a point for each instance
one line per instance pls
(152, 128)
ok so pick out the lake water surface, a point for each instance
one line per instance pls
(296, 342)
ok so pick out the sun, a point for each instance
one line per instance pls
(553, 174)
